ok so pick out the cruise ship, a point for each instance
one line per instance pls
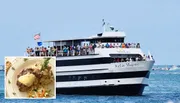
(114, 67)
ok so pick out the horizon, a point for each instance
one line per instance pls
(154, 24)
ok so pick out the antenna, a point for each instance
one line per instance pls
(103, 25)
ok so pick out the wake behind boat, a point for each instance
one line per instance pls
(174, 67)
(100, 65)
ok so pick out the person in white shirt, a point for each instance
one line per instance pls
(48, 50)
(117, 45)
(78, 48)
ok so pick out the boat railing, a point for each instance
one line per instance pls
(118, 45)
(75, 50)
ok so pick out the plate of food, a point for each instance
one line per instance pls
(30, 77)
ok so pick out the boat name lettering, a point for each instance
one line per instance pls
(126, 65)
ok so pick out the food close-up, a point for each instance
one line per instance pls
(32, 77)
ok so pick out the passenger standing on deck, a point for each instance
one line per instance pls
(117, 45)
(152, 57)
(114, 45)
(27, 51)
(129, 45)
(65, 50)
(48, 49)
(78, 48)
(118, 60)
(38, 51)
(32, 52)
(93, 47)
(51, 51)
(138, 45)
(54, 51)
(84, 49)
(148, 57)
(44, 51)
(111, 45)
(87, 51)
(71, 50)
(102, 45)
(126, 45)
(107, 45)
(90, 48)
(120, 45)
(74, 50)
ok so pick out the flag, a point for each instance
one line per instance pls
(112, 28)
(37, 36)
(103, 22)
(39, 43)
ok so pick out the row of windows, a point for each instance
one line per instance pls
(102, 40)
(102, 76)
(90, 61)
(86, 61)
(109, 40)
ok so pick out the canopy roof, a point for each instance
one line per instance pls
(98, 36)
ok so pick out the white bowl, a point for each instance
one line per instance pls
(12, 90)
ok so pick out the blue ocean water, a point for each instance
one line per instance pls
(164, 87)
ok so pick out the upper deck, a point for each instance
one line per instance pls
(110, 41)
(106, 37)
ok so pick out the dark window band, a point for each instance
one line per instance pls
(86, 61)
(102, 76)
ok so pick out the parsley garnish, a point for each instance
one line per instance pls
(25, 59)
(14, 93)
(49, 91)
(9, 81)
(35, 90)
(13, 68)
(45, 64)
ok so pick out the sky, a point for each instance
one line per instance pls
(155, 24)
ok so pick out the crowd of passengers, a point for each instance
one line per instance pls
(117, 45)
(75, 50)
(144, 58)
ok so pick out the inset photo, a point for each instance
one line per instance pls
(30, 77)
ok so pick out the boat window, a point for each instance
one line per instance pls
(113, 40)
(89, 61)
(126, 57)
(110, 40)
